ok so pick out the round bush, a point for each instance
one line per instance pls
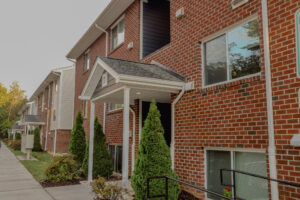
(63, 168)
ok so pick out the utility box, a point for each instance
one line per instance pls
(29, 141)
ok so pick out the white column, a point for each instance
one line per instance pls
(91, 142)
(125, 136)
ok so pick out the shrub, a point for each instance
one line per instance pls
(153, 159)
(18, 136)
(16, 145)
(63, 168)
(77, 143)
(107, 192)
(102, 163)
(37, 140)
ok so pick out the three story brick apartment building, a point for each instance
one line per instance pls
(52, 103)
(224, 74)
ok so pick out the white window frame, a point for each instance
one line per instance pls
(86, 66)
(216, 35)
(104, 79)
(115, 109)
(115, 25)
(239, 4)
(231, 150)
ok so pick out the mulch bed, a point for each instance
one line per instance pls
(184, 195)
(46, 184)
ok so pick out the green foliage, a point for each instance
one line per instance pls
(153, 159)
(102, 163)
(107, 192)
(63, 168)
(18, 136)
(77, 143)
(15, 145)
(37, 140)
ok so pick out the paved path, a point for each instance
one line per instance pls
(16, 183)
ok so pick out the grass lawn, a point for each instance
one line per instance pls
(17, 153)
(38, 167)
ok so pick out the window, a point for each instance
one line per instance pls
(85, 109)
(113, 106)
(54, 115)
(86, 61)
(247, 187)
(56, 86)
(104, 79)
(118, 34)
(116, 156)
(232, 55)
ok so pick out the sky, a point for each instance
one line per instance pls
(36, 35)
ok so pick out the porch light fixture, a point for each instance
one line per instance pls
(138, 93)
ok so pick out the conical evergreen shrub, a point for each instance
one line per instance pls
(102, 163)
(37, 140)
(77, 143)
(153, 159)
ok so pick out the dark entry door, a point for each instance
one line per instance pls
(165, 112)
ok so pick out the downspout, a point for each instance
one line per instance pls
(106, 55)
(133, 140)
(107, 35)
(47, 127)
(272, 147)
(173, 125)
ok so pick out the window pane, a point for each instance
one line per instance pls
(114, 37)
(112, 155)
(119, 159)
(244, 50)
(217, 160)
(121, 32)
(215, 61)
(250, 187)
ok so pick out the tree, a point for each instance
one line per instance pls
(102, 163)
(153, 159)
(37, 140)
(77, 143)
(15, 98)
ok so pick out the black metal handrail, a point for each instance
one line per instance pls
(249, 174)
(166, 195)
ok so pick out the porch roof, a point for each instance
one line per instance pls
(151, 80)
(17, 127)
(33, 120)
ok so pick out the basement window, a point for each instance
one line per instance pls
(156, 25)
(247, 187)
(233, 55)
(116, 156)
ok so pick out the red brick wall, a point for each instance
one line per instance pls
(285, 85)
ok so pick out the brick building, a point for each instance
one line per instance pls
(224, 74)
(53, 102)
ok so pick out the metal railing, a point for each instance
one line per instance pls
(166, 195)
(233, 185)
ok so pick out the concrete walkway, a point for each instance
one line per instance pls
(16, 182)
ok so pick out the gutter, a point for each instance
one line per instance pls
(272, 147)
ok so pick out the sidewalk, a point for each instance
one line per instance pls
(16, 182)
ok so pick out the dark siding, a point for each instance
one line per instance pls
(156, 25)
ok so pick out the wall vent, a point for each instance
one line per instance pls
(237, 3)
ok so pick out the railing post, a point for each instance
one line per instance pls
(234, 186)
(167, 188)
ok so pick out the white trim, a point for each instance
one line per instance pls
(91, 142)
(249, 150)
(107, 68)
(117, 22)
(60, 100)
(109, 93)
(89, 79)
(219, 34)
(141, 28)
(238, 4)
(126, 129)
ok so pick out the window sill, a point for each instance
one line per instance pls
(236, 81)
(115, 111)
